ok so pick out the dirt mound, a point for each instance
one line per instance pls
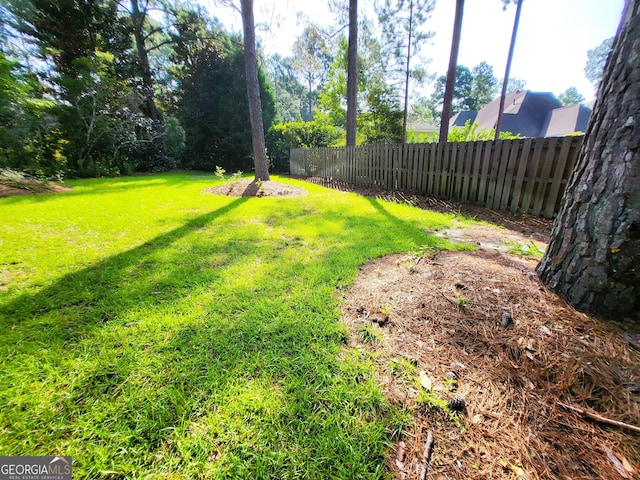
(481, 327)
(251, 188)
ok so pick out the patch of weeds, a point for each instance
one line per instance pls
(462, 302)
(233, 179)
(402, 368)
(369, 334)
(430, 400)
(219, 173)
(528, 249)
(413, 257)
(424, 251)
(451, 384)
(260, 186)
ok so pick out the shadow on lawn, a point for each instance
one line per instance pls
(253, 385)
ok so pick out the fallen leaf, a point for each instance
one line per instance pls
(627, 466)
(618, 465)
(425, 381)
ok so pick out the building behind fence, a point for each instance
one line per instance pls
(526, 175)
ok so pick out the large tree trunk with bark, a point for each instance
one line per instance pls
(138, 19)
(593, 259)
(260, 163)
(451, 71)
(352, 73)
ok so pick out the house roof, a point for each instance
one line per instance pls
(565, 120)
(423, 127)
(460, 118)
(530, 114)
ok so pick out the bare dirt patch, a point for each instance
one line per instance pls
(481, 327)
(251, 188)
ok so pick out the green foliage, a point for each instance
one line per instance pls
(289, 92)
(571, 97)
(596, 60)
(312, 57)
(484, 86)
(473, 89)
(472, 133)
(382, 122)
(220, 172)
(527, 249)
(284, 136)
(29, 139)
(369, 334)
(214, 111)
(379, 116)
(175, 137)
(461, 91)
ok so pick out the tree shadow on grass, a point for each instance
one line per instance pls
(159, 360)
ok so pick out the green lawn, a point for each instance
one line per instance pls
(152, 331)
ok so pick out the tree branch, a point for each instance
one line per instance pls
(600, 418)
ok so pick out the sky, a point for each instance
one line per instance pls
(551, 47)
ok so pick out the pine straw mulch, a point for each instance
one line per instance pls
(12, 191)
(441, 319)
(481, 326)
(251, 188)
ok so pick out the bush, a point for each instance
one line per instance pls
(282, 137)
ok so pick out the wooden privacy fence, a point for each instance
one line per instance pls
(525, 175)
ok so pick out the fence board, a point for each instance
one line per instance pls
(527, 175)
(493, 172)
(556, 183)
(475, 176)
(507, 145)
(545, 174)
(518, 187)
(508, 174)
(532, 174)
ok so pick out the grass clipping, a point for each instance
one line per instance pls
(481, 327)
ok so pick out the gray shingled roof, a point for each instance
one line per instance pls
(531, 114)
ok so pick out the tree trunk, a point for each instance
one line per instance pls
(260, 162)
(505, 82)
(352, 73)
(593, 259)
(406, 75)
(138, 19)
(451, 72)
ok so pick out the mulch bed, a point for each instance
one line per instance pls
(251, 188)
(9, 191)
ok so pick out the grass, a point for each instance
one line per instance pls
(526, 249)
(151, 331)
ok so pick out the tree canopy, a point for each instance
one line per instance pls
(99, 87)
